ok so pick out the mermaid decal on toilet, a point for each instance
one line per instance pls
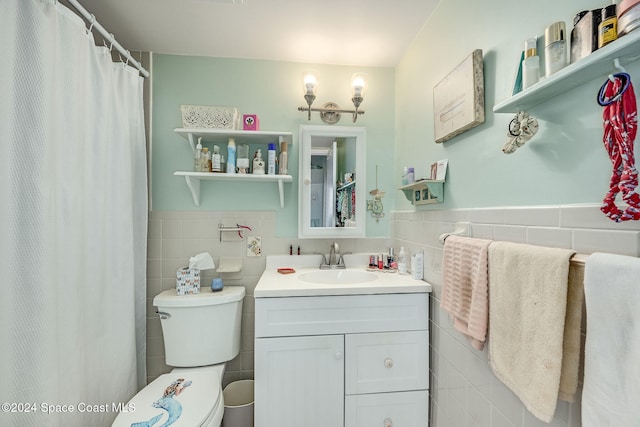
(168, 403)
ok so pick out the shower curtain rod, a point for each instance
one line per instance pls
(93, 22)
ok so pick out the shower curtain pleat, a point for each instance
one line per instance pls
(73, 220)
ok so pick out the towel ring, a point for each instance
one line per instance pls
(626, 80)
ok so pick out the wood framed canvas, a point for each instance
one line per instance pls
(458, 99)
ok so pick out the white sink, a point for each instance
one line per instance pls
(338, 277)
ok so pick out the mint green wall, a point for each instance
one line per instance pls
(565, 163)
(273, 91)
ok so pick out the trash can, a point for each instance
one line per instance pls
(238, 404)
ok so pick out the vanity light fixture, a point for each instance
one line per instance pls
(330, 111)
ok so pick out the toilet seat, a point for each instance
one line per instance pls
(196, 404)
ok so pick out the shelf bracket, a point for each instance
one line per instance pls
(194, 186)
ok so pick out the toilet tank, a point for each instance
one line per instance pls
(200, 329)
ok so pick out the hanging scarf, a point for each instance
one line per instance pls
(620, 126)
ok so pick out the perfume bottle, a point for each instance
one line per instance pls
(555, 47)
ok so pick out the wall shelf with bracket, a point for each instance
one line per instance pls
(221, 137)
(598, 64)
(424, 192)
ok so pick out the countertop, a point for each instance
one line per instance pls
(274, 284)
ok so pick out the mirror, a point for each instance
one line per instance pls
(332, 195)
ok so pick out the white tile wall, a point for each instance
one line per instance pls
(465, 393)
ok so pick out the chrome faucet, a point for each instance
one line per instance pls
(335, 258)
(334, 253)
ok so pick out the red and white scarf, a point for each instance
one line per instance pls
(620, 119)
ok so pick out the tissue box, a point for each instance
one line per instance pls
(187, 281)
(212, 117)
(250, 122)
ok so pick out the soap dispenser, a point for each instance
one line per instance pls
(258, 164)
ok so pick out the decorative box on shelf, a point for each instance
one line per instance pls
(211, 117)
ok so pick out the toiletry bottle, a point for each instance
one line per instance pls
(197, 157)
(283, 158)
(223, 164)
(411, 177)
(258, 164)
(402, 261)
(555, 47)
(205, 160)
(271, 159)
(215, 160)
(608, 28)
(405, 176)
(417, 265)
(242, 158)
(530, 63)
(231, 156)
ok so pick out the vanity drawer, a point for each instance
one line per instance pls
(405, 409)
(321, 315)
(386, 362)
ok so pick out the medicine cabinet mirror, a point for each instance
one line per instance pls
(332, 194)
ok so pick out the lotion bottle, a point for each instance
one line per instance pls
(283, 158)
(231, 156)
(197, 157)
(530, 64)
(258, 164)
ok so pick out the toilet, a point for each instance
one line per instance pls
(201, 333)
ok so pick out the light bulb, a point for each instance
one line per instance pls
(310, 83)
(358, 85)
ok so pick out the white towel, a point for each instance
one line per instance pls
(465, 284)
(527, 307)
(611, 391)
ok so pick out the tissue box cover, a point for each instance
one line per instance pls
(211, 117)
(187, 281)
(250, 122)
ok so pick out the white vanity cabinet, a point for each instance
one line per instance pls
(349, 360)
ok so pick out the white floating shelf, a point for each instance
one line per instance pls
(193, 181)
(598, 64)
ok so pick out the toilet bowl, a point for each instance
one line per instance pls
(198, 403)
(201, 333)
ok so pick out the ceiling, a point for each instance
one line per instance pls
(339, 32)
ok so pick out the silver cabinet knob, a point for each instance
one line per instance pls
(338, 355)
(388, 422)
(388, 362)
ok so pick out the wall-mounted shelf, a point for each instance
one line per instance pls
(221, 136)
(193, 181)
(424, 192)
(598, 64)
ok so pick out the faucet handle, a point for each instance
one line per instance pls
(324, 258)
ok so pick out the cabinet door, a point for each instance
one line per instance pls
(299, 381)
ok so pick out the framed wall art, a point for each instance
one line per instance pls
(458, 99)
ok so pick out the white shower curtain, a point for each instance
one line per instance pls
(73, 222)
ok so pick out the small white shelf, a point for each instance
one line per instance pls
(598, 64)
(424, 192)
(221, 136)
(193, 181)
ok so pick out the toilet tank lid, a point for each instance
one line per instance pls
(228, 294)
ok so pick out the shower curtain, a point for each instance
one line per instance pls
(73, 222)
